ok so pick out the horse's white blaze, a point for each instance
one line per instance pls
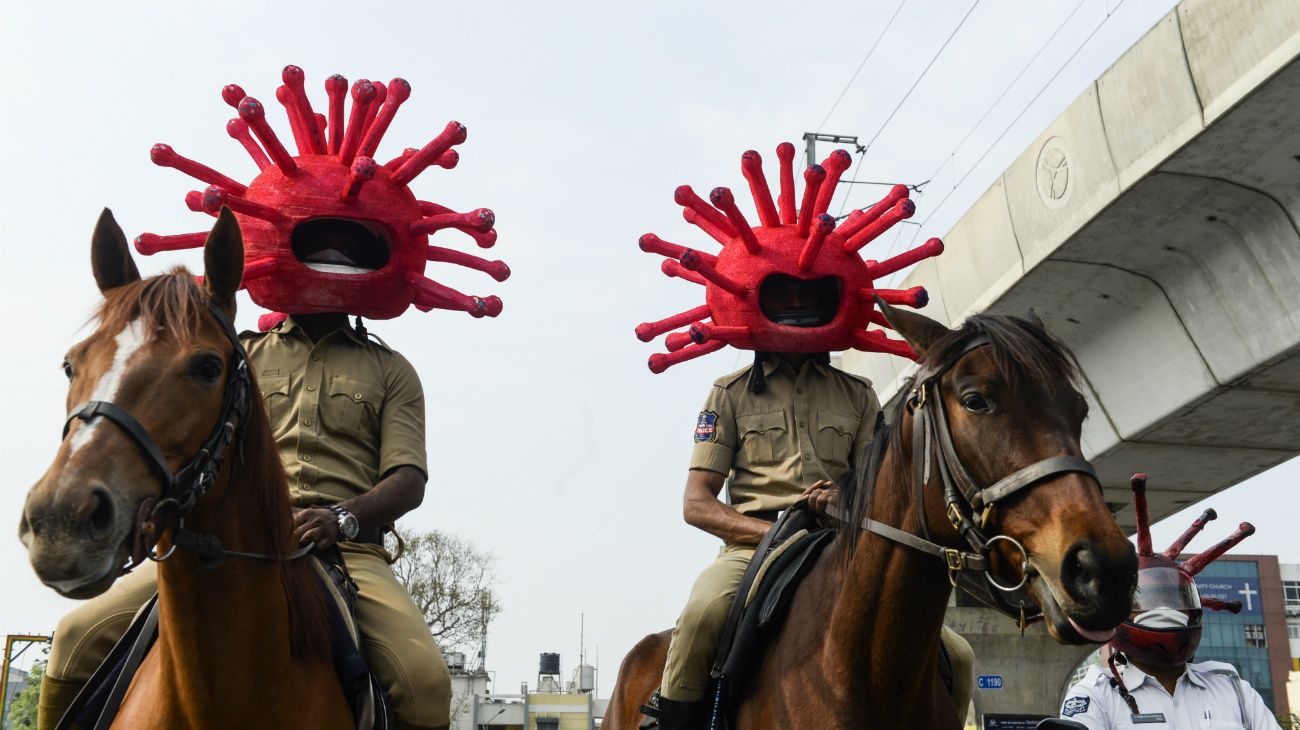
(128, 342)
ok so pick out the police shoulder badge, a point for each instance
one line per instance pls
(1075, 706)
(706, 428)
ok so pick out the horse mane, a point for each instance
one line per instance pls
(173, 305)
(1023, 351)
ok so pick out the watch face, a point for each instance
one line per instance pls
(348, 525)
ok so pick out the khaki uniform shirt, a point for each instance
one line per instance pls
(807, 425)
(345, 410)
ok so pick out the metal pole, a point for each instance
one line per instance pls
(10, 640)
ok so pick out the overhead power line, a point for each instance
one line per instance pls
(862, 65)
(958, 182)
(866, 148)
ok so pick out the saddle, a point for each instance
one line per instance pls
(98, 702)
(780, 562)
(786, 554)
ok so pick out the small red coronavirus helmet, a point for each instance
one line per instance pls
(1166, 627)
(331, 229)
(799, 244)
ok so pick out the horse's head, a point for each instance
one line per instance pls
(1012, 408)
(158, 355)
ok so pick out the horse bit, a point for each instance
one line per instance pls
(181, 491)
(963, 497)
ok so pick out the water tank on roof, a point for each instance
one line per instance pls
(456, 660)
(550, 663)
(586, 678)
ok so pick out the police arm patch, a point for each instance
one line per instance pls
(706, 427)
(1075, 706)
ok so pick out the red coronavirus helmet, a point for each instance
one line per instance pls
(1165, 628)
(799, 246)
(331, 229)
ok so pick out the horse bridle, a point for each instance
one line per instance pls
(964, 498)
(181, 491)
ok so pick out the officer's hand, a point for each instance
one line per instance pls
(822, 494)
(316, 524)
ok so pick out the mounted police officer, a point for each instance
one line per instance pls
(347, 411)
(791, 290)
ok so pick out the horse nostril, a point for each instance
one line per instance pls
(1082, 572)
(101, 515)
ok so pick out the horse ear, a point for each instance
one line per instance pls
(1034, 319)
(223, 259)
(110, 258)
(919, 330)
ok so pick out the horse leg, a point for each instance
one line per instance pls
(638, 676)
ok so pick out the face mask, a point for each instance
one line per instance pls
(1162, 618)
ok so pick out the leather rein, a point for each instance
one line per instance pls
(963, 497)
(182, 490)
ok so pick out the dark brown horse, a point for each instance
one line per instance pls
(244, 644)
(860, 645)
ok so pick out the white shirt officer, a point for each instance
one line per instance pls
(1208, 696)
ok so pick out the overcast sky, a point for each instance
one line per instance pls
(551, 445)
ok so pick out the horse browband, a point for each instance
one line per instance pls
(963, 496)
(182, 490)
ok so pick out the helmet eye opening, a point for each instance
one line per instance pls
(341, 245)
(793, 302)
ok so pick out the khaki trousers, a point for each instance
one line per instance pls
(396, 641)
(699, 629)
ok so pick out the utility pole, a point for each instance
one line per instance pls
(810, 140)
(27, 640)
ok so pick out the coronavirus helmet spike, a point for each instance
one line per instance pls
(835, 165)
(785, 200)
(330, 230)
(789, 248)
(751, 166)
(1176, 549)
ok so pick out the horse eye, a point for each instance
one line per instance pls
(207, 369)
(975, 403)
(67, 369)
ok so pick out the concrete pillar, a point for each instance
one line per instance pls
(1034, 667)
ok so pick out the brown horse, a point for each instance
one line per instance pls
(244, 644)
(860, 644)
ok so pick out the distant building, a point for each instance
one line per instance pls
(550, 707)
(1291, 605)
(1252, 641)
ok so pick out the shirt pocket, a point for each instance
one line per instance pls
(835, 432)
(762, 437)
(352, 407)
(275, 393)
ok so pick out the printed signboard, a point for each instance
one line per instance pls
(1245, 590)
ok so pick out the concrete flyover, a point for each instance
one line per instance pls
(1153, 227)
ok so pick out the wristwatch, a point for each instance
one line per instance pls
(348, 525)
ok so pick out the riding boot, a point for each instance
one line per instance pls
(674, 715)
(56, 697)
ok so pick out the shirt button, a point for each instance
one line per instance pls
(800, 424)
(307, 457)
(807, 457)
(358, 396)
(798, 391)
(316, 357)
(311, 387)
(306, 421)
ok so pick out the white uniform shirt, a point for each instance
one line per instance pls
(1203, 699)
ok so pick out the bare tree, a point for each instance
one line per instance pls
(451, 582)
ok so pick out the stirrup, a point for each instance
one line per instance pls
(651, 707)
